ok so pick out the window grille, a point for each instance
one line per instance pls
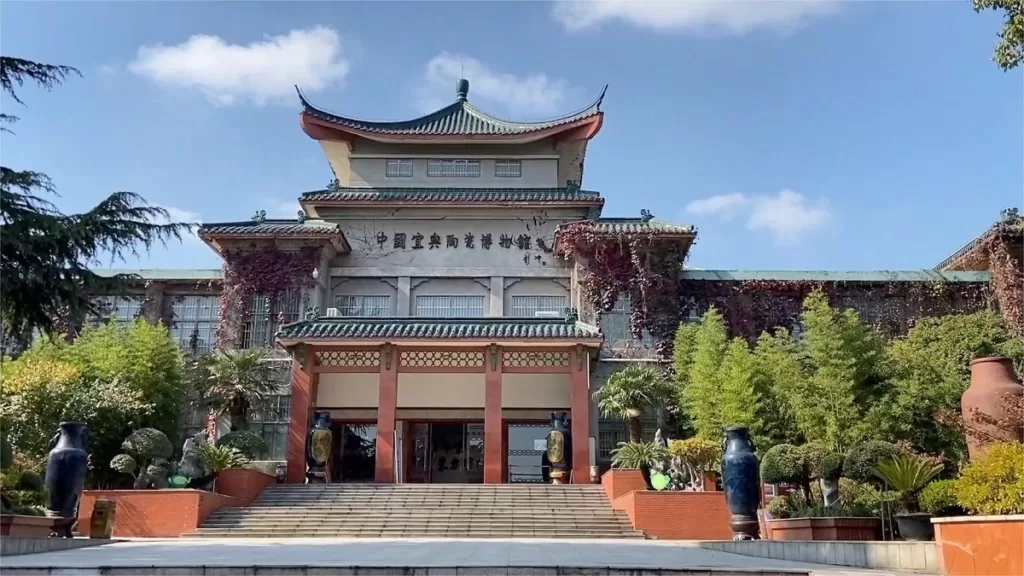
(508, 169)
(261, 323)
(453, 168)
(450, 306)
(375, 306)
(272, 425)
(610, 432)
(123, 309)
(528, 306)
(398, 168)
(195, 315)
(616, 329)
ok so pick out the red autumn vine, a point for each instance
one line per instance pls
(1005, 246)
(645, 265)
(267, 272)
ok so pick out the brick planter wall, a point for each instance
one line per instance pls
(155, 513)
(26, 526)
(242, 483)
(677, 515)
(838, 528)
(621, 481)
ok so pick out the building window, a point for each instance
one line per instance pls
(123, 309)
(450, 306)
(508, 168)
(399, 168)
(195, 316)
(261, 323)
(453, 168)
(272, 425)
(615, 326)
(611, 432)
(529, 306)
(363, 305)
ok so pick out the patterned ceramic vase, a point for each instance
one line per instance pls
(559, 449)
(318, 448)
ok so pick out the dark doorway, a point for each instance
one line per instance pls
(355, 452)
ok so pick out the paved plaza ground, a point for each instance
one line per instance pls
(408, 553)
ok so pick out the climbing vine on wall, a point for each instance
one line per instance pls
(268, 272)
(644, 265)
(1006, 262)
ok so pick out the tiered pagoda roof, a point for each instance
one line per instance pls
(463, 329)
(459, 121)
(214, 234)
(567, 196)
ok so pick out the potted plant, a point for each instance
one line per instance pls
(639, 456)
(908, 474)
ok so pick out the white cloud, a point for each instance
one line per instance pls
(531, 94)
(108, 70)
(180, 216)
(260, 72)
(725, 205)
(730, 16)
(787, 216)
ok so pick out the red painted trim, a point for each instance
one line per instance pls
(387, 407)
(580, 414)
(494, 428)
(318, 131)
(299, 422)
(583, 132)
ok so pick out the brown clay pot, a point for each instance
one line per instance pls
(993, 387)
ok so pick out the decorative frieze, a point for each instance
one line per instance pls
(442, 358)
(349, 358)
(535, 359)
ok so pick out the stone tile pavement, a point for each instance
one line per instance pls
(433, 556)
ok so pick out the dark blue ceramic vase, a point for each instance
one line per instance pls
(741, 481)
(65, 473)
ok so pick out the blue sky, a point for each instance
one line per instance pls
(794, 135)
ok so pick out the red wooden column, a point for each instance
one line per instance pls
(493, 432)
(387, 406)
(304, 380)
(580, 414)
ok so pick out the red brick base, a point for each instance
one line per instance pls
(677, 515)
(243, 483)
(154, 513)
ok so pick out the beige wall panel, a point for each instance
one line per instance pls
(348, 391)
(549, 391)
(422, 390)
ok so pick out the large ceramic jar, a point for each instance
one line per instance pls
(741, 481)
(318, 448)
(986, 404)
(65, 471)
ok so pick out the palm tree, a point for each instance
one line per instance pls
(632, 391)
(234, 383)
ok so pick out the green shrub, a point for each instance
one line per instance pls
(28, 510)
(245, 441)
(862, 459)
(784, 463)
(702, 454)
(30, 481)
(124, 463)
(780, 507)
(638, 454)
(6, 452)
(148, 443)
(220, 458)
(939, 499)
(831, 466)
(814, 453)
(994, 483)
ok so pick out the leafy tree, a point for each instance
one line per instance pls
(740, 398)
(929, 370)
(631, 392)
(234, 383)
(1010, 50)
(115, 377)
(701, 395)
(778, 363)
(45, 255)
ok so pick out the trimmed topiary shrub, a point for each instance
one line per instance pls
(831, 466)
(147, 444)
(939, 499)
(247, 442)
(994, 483)
(862, 459)
(780, 507)
(784, 463)
(31, 482)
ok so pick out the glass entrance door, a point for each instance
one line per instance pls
(446, 452)
(355, 452)
(526, 446)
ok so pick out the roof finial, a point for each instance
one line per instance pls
(462, 89)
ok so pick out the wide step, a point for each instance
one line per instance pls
(423, 511)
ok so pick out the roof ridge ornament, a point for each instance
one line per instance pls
(301, 216)
(259, 216)
(462, 90)
(646, 215)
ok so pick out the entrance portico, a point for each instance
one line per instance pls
(400, 373)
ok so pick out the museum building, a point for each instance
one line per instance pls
(430, 306)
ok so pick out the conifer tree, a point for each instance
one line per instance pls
(44, 253)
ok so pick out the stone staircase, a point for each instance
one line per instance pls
(424, 511)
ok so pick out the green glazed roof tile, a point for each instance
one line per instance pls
(457, 119)
(437, 328)
(424, 195)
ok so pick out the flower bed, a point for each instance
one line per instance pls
(827, 528)
(155, 513)
(677, 515)
(242, 483)
(980, 545)
(621, 481)
(26, 526)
